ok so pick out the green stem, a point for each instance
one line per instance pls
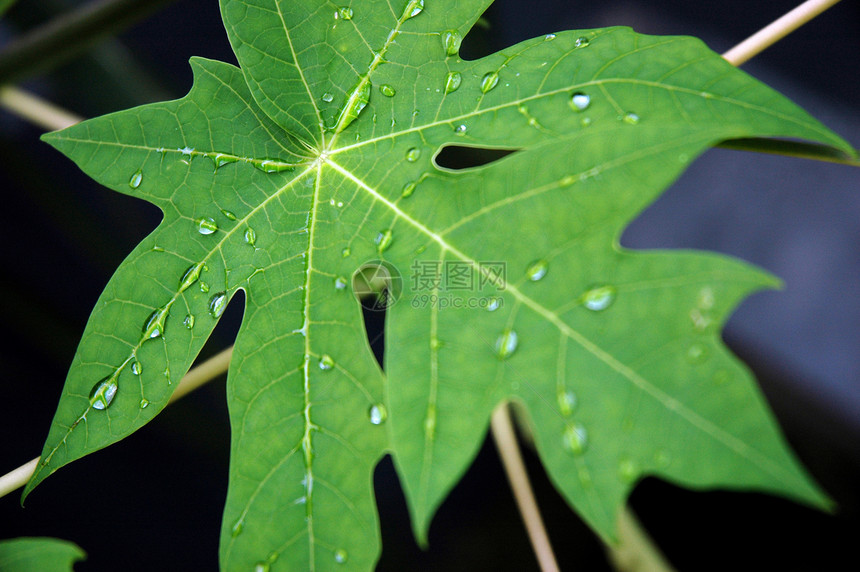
(68, 35)
(35, 109)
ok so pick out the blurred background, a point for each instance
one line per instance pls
(154, 501)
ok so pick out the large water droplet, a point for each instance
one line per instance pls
(537, 270)
(576, 438)
(326, 362)
(102, 393)
(566, 402)
(387, 90)
(549, 37)
(188, 322)
(135, 180)
(340, 556)
(217, 304)
(136, 367)
(453, 81)
(506, 344)
(580, 101)
(413, 8)
(599, 298)
(190, 276)
(250, 236)
(144, 403)
(581, 42)
(154, 325)
(489, 81)
(413, 154)
(344, 13)
(274, 166)
(356, 101)
(383, 240)
(451, 40)
(220, 159)
(206, 225)
(378, 414)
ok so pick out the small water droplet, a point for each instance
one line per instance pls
(251, 236)
(408, 189)
(628, 470)
(585, 121)
(537, 270)
(599, 298)
(580, 101)
(413, 8)
(102, 394)
(204, 287)
(238, 526)
(460, 129)
(228, 214)
(136, 367)
(326, 362)
(345, 252)
(378, 414)
(344, 13)
(190, 276)
(506, 344)
(576, 438)
(494, 304)
(261, 567)
(340, 556)
(453, 81)
(154, 325)
(135, 180)
(187, 154)
(144, 403)
(206, 225)
(549, 37)
(327, 97)
(340, 283)
(387, 90)
(451, 40)
(581, 42)
(273, 166)
(383, 240)
(188, 322)
(413, 154)
(566, 402)
(489, 81)
(217, 304)
(697, 353)
(630, 118)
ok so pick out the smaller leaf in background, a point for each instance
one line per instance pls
(5, 5)
(39, 555)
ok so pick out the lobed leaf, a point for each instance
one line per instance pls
(320, 159)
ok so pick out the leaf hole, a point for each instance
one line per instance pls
(376, 285)
(461, 158)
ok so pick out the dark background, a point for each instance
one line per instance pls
(154, 501)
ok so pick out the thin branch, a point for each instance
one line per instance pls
(636, 551)
(203, 373)
(66, 36)
(509, 451)
(776, 31)
(35, 109)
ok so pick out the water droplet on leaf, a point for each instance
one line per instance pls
(273, 166)
(228, 214)
(188, 321)
(102, 394)
(383, 240)
(135, 180)
(327, 97)
(413, 154)
(576, 438)
(250, 236)
(460, 129)
(506, 344)
(378, 414)
(489, 81)
(580, 101)
(453, 81)
(451, 40)
(340, 556)
(206, 226)
(340, 283)
(144, 403)
(697, 353)
(136, 367)
(630, 118)
(599, 298)
(344, 13)
(566, 402)
(154, 325)
(190, 276)
(237, 528)
(413, 8)
(628, 470)
(217, 304)
(581, 42)
(408, 189)
(356, 101)
(549, 37)
(537, 270)
(326, 362)
(387, 90)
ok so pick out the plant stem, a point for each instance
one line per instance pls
(35, 109)
(197, 376)
(509, 451)
(66, 36)
(777, 30)
(636, 551)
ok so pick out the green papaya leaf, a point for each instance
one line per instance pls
(39, 555)
(316, 172)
